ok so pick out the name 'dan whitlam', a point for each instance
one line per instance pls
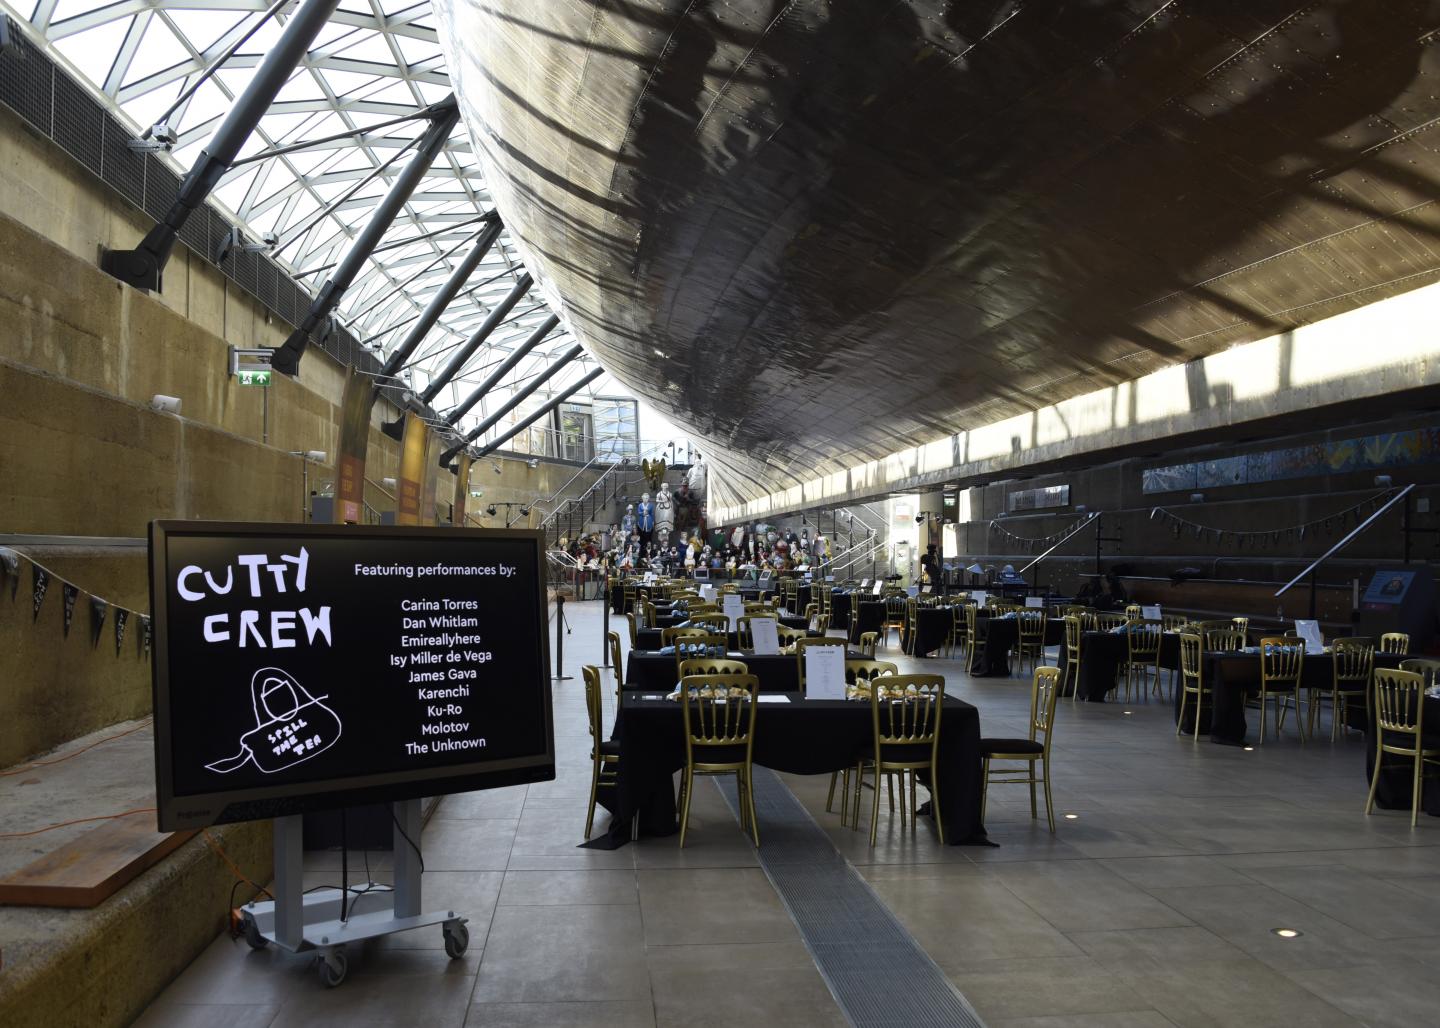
(273, 629)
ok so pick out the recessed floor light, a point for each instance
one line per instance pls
(1072, 817)
(1286, 933)
(1249, 749)
(1127, 713)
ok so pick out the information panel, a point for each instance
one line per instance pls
(306, 667)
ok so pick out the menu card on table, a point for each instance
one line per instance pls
(733, 607)
(764, 637)
(979, 596)
(707, 592)
(1151, 613)
(825, 672)
(1035, 601)
(912, 590)
(876, 590)
(1310, 632)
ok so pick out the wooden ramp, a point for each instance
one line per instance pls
(89, 869)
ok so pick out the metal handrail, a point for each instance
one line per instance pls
(1090, 519)
(837, 568)
(1342, 544)
(612, 470)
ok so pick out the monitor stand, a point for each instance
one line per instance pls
(298, 921)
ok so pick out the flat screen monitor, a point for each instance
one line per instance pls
(312, 667)
(701, 572)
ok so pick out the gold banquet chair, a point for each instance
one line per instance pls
(604, 753)
(868, 642)
(1074, 632)
(719, 718)
(1142, 657)
(1354, 663)
(706, 644)
(789, 637)
(1031, 751)
(1192, 667)
(905, 713)
(974, 640)
(1030, 637)
(859, 673)
(1395, 642)
(617, 668)
(1281, 660)
(712, 666)
(1400, 716)
(719, 623)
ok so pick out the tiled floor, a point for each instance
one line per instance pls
(1153, 906)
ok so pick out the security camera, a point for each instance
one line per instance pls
(524, 512)
(532, 463)
(165, 404)
(498, 469)
(269, 240)
(490, 510)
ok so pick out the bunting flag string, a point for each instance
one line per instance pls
(1046, 541)
(41, 580)
(1267, 537)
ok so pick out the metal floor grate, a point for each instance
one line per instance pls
(874, 968)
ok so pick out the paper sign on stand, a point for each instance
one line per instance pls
(876, 590)
(825, 672)
(864, 583)
(1035, 601)
(1310, 632)
(979, 596)
(733, 607)
(707, 592)
(764, 637)
(912, 590)
(1151, 613)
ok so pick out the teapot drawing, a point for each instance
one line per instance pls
(290, 725)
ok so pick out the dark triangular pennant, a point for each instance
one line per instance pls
(10, 564)
(121, 616)
(42, 583)
(145, 635)
(70, 594)
(97, 618)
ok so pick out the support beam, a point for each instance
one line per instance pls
(144, 266)
(542, 412)
(506, 366)
(443, 117)
(442, 298)
(514, 401)
(497, 315)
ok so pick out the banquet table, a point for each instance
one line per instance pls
(1231, 678)
(1102, 653)
(1396, 785)
(868, 617)
(797, 736)
(656, 672)
(840, 610)
(1000, 635)
(652, 638)
(932, 628)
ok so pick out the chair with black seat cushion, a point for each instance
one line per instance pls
(957, 639)
(618, 669)
(1033, 752)
(604, 753)
(719, 718)
(974, 639)
(1399, 707)
(868, 642)
(905, 713)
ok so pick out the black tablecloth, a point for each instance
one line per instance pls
(652, 638)
(839, 610)
(1000, 635)
(869, 615)
(1232, 677)
(1102, 653)
(805, 737)
(1394, 790)
(932, 628)
(655, 672)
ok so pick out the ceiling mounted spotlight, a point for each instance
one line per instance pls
(490, 510)
(532, 463)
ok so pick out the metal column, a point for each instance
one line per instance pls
(497, 315)
(514, 401)
(520, 353)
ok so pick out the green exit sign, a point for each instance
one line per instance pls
(254, 378)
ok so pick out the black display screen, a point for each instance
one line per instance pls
(309, 667)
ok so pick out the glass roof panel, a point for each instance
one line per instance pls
(372, 62)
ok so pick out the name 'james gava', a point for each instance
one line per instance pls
(261, 576)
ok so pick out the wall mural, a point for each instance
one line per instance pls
(1389, 450)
